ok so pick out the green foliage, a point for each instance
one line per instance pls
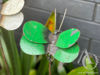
(54, 67)
(61, 69)
(20, 63)
(10, 50)
(32, 72)
(43, 66)
(85, 71)
(2, 66)
(4, 1)
(26, 63)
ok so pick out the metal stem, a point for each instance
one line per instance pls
(49, 68)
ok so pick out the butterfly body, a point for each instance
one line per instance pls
(51, 46)
(51, 49)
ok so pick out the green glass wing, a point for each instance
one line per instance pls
(31, 48)
(83, 71)
(67, 38)
(35, 32)
(91, 66)
(67, 55)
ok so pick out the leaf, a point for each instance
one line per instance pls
(2, 72)
(32, 72)
(83, 71)
(67, 55)
(2, 66)
(4, 1)
(90, 66)
(26, 61)
(43, 67)
(78, 71)
(11, 52)
(69, 67)
(31, 48)
(6, 53)
(54, 67)
(67, 38)
(34, 31)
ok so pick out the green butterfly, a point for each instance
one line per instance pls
(62, 46)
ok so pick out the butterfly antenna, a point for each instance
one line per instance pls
(62, 20)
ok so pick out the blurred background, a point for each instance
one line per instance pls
(82, 14)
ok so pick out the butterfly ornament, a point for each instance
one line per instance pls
(62, 46)
(12, 17)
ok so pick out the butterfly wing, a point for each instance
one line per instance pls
(51, 22)
(35, 32)
(12, 22)
(31, 48)
(11, 7)
(67, 55)
(67, 38)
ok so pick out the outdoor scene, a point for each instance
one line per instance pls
(49, 37)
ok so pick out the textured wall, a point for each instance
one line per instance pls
(82, 14)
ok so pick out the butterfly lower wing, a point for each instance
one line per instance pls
(12, 22)
(67, 38)
(35, 32)
(67, 55)
(31, 48)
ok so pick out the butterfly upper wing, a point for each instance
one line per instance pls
(67, 38)
(67, 55)
(51, 22)
(35, 32)
(11, 7)
(31, 48)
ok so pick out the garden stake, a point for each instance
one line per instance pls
(61, 45)
(52, 39)
(49, 68)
